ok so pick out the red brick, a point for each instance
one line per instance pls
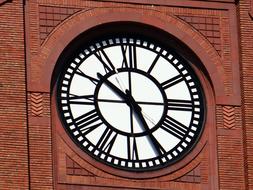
(33, 150)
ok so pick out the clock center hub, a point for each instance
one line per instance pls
(117, 110)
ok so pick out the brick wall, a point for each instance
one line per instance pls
(52, 24)
(13, 124)
(33, 169)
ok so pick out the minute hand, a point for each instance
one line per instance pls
(137, 109)
(115, 89)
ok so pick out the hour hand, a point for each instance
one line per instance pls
(114, 88)
(137, 109)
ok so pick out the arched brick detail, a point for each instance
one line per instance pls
(64, 33)
(81, 21)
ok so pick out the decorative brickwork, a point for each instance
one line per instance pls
(50, 17)
(230, 147)
(36, 104)
(208, 27)
(192, 176)
(229, 117)
(73, 168)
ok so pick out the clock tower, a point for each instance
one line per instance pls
(125, 94)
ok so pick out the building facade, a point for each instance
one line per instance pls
(40, 39)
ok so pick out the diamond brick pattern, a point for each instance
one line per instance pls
(50, 17)
(191, 177)
(37, 104)
(208, 27)
(229, 120)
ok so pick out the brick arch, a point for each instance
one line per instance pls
(81, 21)
(84, 20)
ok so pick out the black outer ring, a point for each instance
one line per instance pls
(151, 168)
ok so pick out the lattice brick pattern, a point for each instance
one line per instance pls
(50, 17)
(229, 120)
(208, 27)
(36, 104)
(75, 169)
(192, 176)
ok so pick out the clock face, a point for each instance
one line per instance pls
(131, 103)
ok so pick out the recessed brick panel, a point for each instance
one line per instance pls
(50, 17)
(73, 168)
(207, 26)
(191, 177)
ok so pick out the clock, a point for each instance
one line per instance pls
(131, 102)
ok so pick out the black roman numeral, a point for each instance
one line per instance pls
(171, 82)
(181, 105)
(81, 100)
(132, 149)
(108, 66)
(90, 127)
(81, 73)
(153, 63)
(124, 62)
(174, 127)
(107, 140)
(132, 56)
(88, 119)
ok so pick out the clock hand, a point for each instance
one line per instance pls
(125, 97)
(115, 89)
(137, 109)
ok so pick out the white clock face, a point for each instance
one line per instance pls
(131, 103)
